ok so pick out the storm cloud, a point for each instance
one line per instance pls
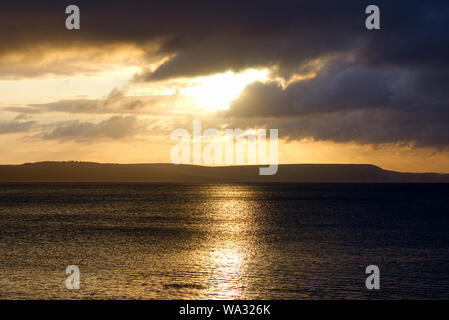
(349, 102)
(372, 86)
(205, 37)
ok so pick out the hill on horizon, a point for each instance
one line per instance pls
(74, 171)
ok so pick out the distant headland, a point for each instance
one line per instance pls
(73, 171)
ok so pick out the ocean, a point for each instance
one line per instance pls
(224, 241)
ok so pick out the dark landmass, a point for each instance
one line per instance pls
(73, 171)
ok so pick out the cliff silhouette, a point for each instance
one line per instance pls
(73, 171)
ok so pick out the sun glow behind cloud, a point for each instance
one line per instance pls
(54, 88)
(217, 91)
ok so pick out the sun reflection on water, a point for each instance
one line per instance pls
(232, 241)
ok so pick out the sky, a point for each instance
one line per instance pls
(114, 90)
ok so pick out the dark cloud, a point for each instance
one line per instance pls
(15, 126)
(339, 86)
(384, 86)
(24, 109)
(116, 127)
(205, 37)
(349, 102)
(115, 102)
